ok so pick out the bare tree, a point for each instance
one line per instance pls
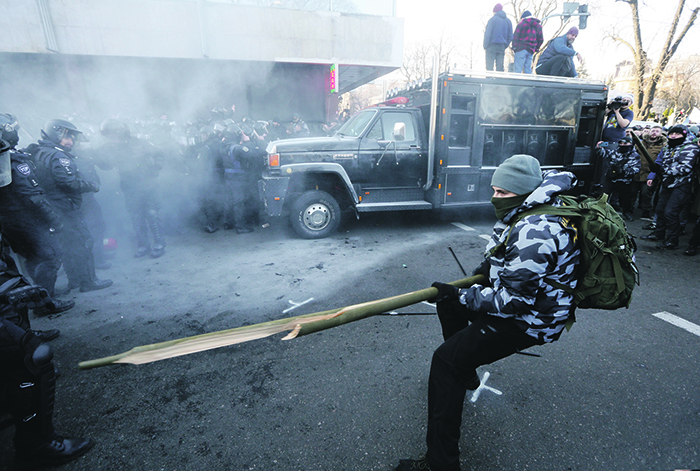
(681, 81)
(418, 59)
(645, 86)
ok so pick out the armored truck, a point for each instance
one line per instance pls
(434, 145)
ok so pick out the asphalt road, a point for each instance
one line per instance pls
(620, 391)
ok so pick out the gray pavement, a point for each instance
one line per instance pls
(620, 391)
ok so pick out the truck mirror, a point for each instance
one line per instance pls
(399, 133)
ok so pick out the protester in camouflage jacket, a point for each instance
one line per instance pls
(540, 249)
(623, 165)
(515, 309)
(675, 162)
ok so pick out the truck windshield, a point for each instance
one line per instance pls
(356, 124)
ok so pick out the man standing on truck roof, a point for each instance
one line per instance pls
(558, 57)
(497, 37)
(527, 40)
(517, 308)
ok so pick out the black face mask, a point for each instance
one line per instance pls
(676, 141)
(624, 149)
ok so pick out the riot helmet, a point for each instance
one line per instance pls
(219, 127)
(206, 132)
(221, 112)
(192, 134)
(233, 133)
(247, 130)
(56, 130)
(9, 128)
(260, 127)
(115, 130)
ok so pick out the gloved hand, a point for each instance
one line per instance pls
(445, 292)
(31, 296)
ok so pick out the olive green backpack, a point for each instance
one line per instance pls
(607, 272)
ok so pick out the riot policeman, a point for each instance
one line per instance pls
(139, 163)
(29, 223)
(239, 163)
(64, 184)
(27, 371)
(300, 128)
(209, 164)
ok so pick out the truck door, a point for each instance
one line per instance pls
(461, 168)
(393, 148)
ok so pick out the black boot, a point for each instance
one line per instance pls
(56, 307)
(158, 248)
(56, 452)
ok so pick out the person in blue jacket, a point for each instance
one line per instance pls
(497, 37)
(558, 58)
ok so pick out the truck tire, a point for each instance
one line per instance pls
(315, 215)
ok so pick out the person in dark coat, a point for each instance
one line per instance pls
(497, 37)
(517, 306)
(139, 162)
(64, 185)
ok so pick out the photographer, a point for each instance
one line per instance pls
(618, 118)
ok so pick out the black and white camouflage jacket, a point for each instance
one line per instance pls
(541, 248)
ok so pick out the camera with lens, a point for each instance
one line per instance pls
(616, 103)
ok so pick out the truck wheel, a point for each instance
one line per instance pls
(315, 215)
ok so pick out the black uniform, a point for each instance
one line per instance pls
(139, 162)
(27, 377)
(29, 223)
(64, 185)
(239, 169)
(210, 169)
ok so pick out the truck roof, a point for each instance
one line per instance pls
(502, 78)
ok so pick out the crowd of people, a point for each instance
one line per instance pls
(556, 59)
(664, 185)
(50, 218)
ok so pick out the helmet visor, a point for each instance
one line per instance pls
(72, 134)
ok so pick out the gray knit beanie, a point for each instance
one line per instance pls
(519, 174)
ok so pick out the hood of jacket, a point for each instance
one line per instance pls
(553, 183)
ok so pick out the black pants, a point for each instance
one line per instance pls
(235, 211)
(668, 211)
(40, 248)
(559, 66)
(76, 241)
(495, 55)
(471, 340)
(27, 389)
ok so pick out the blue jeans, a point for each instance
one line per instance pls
(523, 62)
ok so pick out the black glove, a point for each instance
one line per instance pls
(445, 292)
(31, 296)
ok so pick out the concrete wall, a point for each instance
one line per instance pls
(144, 58)
(198, 29)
